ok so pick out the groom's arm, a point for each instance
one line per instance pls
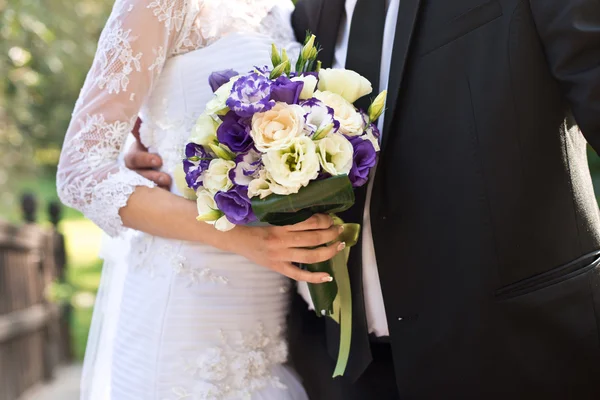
(570, 33)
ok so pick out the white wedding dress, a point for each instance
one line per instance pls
(179, 320)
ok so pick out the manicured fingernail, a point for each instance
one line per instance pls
(327, 279)
(341, 246)
(155, 162)
(341, 228)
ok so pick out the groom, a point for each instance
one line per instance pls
(485, 227)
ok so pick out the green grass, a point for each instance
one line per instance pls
(80, 327)
(83, 241)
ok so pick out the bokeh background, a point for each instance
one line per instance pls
(46, 48)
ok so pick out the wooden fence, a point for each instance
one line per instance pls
(34, 334)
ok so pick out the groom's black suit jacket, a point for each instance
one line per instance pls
(484, 217)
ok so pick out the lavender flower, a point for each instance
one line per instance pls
(246, 169)
(219, 78)
(372, 128)
(196, 163)
(235, 133)
(286, 91)
(264, 70)
(236, 205)
(319, 118)
(251, 94)
(373, 135)
(364, 159)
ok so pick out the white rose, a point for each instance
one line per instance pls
(348, 84)
(370, 136)
(264, 186)
(209, 212)
(351, 121)
(336, 154)
(217, 106)
(181, 184)
(223, 224)
(295, 166)
(216, 177)
(207, 208)
(260, 186)
(310, 85)
(277, 128)
(204, 131)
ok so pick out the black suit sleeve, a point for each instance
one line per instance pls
(570, 32)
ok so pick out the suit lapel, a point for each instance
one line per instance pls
(407, 17)
(328, 27)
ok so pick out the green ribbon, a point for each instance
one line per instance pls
(334, 299)
(331, 299)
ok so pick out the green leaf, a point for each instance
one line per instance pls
(342, 309)
(323, 294)
(330, 195)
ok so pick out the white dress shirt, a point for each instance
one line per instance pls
(374, 306)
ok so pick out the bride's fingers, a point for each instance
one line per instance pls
(312, 256)
(312, 238)
(317, 221)
(297, 274)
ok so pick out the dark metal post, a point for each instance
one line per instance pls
(60, 264)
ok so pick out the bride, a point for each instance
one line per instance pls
(198, 314)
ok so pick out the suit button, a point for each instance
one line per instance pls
(409, 318)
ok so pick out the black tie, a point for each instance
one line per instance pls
(366, 43)
(364, 56)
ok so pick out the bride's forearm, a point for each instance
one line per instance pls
(161, 213)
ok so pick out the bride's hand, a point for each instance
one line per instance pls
(278, 248)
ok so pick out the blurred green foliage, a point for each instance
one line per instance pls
(46, 48)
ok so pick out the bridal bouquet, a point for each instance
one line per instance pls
(277, 146)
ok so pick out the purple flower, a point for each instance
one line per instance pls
(195, 164)
(373, 129)
(319, 117)
(236, 205)
(219, 78)
(286, 91)
(247, 166)
(264, 70)
(250, 94)
(365, 157)
(235, 133)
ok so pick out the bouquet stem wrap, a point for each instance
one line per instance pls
(333, 299)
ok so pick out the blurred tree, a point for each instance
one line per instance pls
(45, 50)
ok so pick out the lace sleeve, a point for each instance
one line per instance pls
(131, 53)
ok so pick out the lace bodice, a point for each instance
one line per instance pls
(138, 41)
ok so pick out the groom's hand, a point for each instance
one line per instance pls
(280, 247)
(144, 163)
